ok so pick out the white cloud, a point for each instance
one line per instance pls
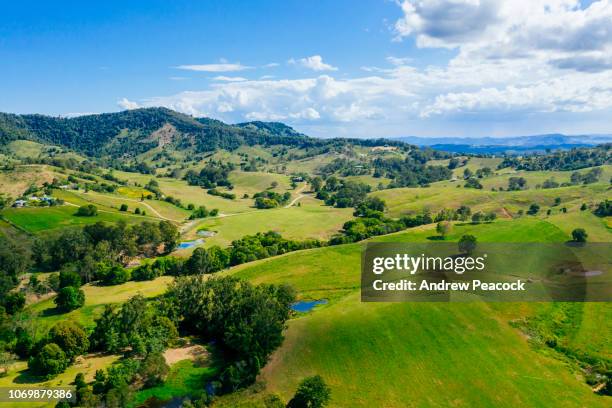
(223, 67)
(399, 60)
(559, 32)
(535, 61)
(124, 103)
(229, 79)
(271, 65)
(314, 63)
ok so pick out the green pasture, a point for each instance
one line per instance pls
(407, 352)
(311, 219)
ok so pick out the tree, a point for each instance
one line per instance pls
(71, 338)
(557, 201)
(583, 207)
(169, 235)
(50, 361)
(467, 173)
(604, 209)
(124, 207)
(13, 302)
(579, 235)
(154, 369)
(444, 228)
(69, 298)
(24, 344)
(467, 244)
(473, 183)
(316, 183)
(311, 393)
(516, 183)
(69, 277)
(113, 274)
(88, 210)
(464, 212)
(533, 209)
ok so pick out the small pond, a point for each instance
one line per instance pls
(190, 244)
(307, 305)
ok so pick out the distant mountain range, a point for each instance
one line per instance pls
(515, 144)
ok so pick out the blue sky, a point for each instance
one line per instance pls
(363, 68)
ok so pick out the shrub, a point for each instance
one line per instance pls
(579, 235)
(71, 338)
(533, 209)
(467, 244)
(124, 207)
(69, 278)
(311, 393)
(50, 361)
(69, 298)
(88, 210)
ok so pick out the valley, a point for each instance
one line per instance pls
(102, 204)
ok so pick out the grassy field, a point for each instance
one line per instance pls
(310, 220)
(408, 200)
(43, 219)
(18, 376)
(191, 194)
(411, 352)
(392, 352)
(95, 299)
(154, 208)
(15, 182)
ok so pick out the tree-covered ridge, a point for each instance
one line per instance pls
(574, 159)
(132, 132)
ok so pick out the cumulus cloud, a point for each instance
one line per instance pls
(314, 63)
(223, 67)
(534, 59)
(558, 32)
(124, 103)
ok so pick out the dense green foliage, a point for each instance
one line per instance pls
(562, 160)
(604, 209)
(271, 199)
(69, 298)
(412, 171)
(14, 261)
(247, 321)
(137, 328)
(212, 175)
(311, 393)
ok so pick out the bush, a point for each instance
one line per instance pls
(71, 338)
(604, 209)
(579, 235)
(311, 393)
(473, 183)
(533, 209)
(69, 298)
(88, 210)
(50, 361)
(467, 244)
(13, 302)
(69, 278)
(124, 207)
(114, 275)
(154, 369)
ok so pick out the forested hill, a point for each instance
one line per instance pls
(136, 131)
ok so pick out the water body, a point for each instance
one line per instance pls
(307, 305)
(190, 244)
